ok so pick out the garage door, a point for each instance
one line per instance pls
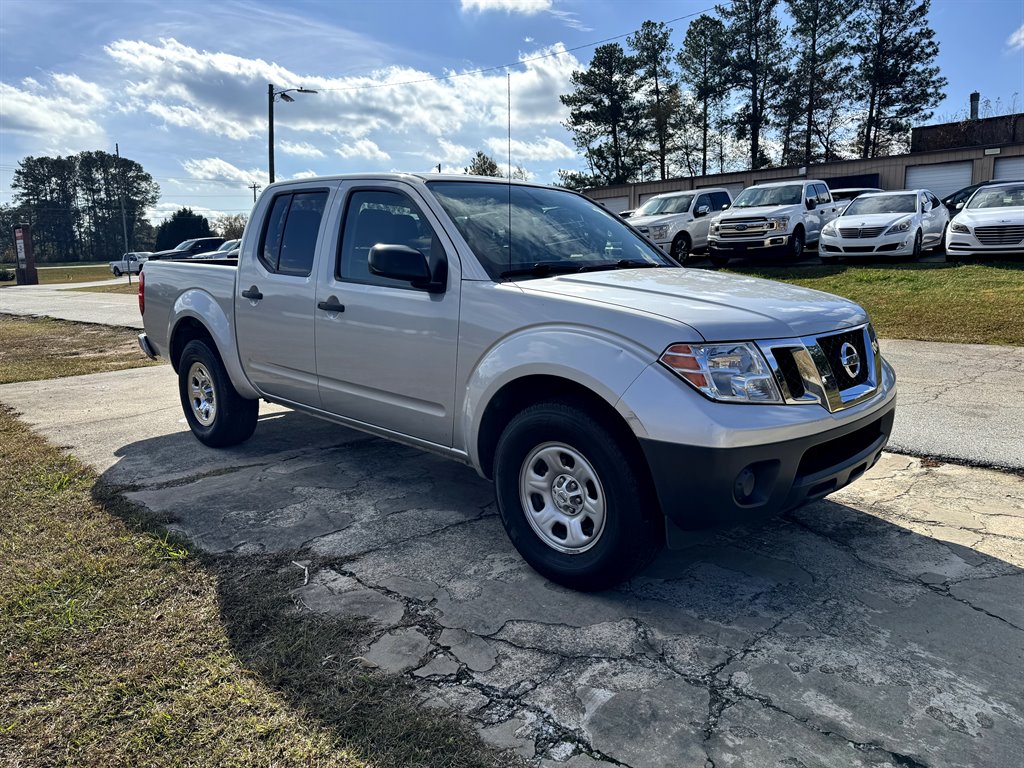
(734, 189)
(1009, 168)
(940, 178)
(614, 204)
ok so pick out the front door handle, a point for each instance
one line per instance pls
(331, 305)
(252, 294)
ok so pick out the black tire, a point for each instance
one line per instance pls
(219, 416)
(117, 272)
(681, 247)
(941, 245)
(795, 248)
(619, 542)
(918, 246)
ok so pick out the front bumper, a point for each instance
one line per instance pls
(901, 244)
(701, 486)
(776, 245)
(959, 243)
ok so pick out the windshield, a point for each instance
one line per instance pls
(513, 228)
(863, 206)
(228, 245)
(791, 194)
(184, 246)
(659, 205)
(998, 197)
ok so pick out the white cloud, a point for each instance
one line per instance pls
(216, 169)
(307, 174)
(62, 115)
(364, 149)
(165, 209)
(1016, 40)
(545, 149)
(528, 7)
(301, 148)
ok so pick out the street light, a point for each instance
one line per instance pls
(271, 96)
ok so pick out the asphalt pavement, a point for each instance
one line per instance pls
(961, 402)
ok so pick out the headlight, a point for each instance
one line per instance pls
(734, 373)
(659, 232)
(829, 229)
(956, 226)
(899, 226)
(715, 227)
(778, 222)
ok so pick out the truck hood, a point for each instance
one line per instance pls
(718, 306)
(762, 210)
(654, 221)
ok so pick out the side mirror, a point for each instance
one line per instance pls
(725, 207)
(811, 204)
(959, 206)
(704, 210)
(400, 262)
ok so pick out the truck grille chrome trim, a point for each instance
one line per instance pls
(835, 370)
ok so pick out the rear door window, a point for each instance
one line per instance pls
(288, 241)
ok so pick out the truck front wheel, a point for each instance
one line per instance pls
(216, 413)
(681, 247)
(796, 245)
(573, 502)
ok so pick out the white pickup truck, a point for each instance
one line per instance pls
(614, 398)
(129, 263)
(780, 218)
(679, 222)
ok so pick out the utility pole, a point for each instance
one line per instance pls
(270, 122)
(124, 221)
(255, 188)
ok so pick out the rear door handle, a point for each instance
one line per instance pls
(331, 305)
(253, 294)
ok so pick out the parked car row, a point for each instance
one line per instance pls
(198, 248)
(782, 218)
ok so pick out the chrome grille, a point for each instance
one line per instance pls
(1003, 234)
(853, 233)
(743, 228)
(810, 370)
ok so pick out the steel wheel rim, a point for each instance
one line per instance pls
(562, 498)
(201, 394)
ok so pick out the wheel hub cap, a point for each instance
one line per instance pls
(562, 498)
(202, 397)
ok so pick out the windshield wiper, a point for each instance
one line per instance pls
(541, 269)
(620, 264)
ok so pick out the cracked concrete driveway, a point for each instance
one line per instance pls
(883, 626)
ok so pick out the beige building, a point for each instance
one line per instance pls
(942, 172)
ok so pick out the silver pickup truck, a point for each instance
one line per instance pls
(615, 398)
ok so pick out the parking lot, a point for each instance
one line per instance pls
(880, 627)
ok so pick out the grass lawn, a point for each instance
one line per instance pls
(68, 273)
(41, 348)
(119, 646)
(968, 303)
(121, 286)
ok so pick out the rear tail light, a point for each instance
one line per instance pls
(142, 293)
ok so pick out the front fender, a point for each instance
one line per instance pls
(604, 363)
(201, 306)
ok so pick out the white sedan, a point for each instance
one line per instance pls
(991, 222)
(886, 224)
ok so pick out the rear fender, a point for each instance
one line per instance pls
(201, 306)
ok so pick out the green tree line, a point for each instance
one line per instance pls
(759, 83)
(73, 204)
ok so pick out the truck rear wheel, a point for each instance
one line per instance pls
(216, 413)
(573, 502)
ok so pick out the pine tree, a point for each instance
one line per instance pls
(702, 66)
(605, 115)
(756, 67)
(482, 164)
(820, 77)
(658, 87)
(184, 224)
(897, 79)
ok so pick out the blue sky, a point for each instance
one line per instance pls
(182, 85)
